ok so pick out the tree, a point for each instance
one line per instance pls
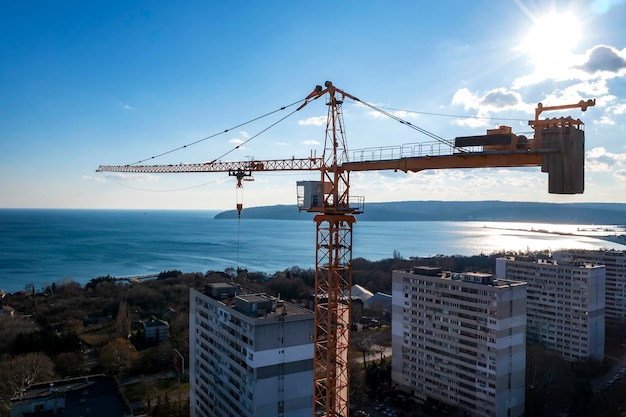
(69, 363)
(169, 274)
(581, 400)
(117, 356)
(30, 288)
(122, 321)
(357, 384)
(546, 377)
(67, 288)
(378, 377)
(21, 371)
(10, 329)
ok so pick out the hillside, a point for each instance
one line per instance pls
(572, 213)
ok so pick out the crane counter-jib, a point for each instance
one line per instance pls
(461, 160)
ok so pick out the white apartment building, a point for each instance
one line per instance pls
(615, 265)
(251, 355)
(565, 306)
(460, 339)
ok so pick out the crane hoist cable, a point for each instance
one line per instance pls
(239, 205)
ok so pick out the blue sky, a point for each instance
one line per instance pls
(90, 83)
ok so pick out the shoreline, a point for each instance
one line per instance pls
(620, 239)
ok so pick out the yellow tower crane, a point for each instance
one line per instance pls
(557, 147)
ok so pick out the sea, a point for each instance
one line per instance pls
(45, 246)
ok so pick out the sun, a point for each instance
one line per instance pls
(551, 41)
(552, 34)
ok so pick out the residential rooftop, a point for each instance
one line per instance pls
(471, 277)
(94, 396)
(251, 303)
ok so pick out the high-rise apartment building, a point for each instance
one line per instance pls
(460, 339)
(565, 306)
(615, 266)
(251, 355)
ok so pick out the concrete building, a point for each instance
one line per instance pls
(251, 355)
(94, 396)
(565, 306)
(615, 267)
(460, 339)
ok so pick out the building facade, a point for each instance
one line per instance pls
(565, 305)
(615, 271)
(460, 339)
(251, 355)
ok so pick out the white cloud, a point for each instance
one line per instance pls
(236, 141)
(497, 99)
(601, 62)
(600, 160)
(124, 176)
(126, 106)
(472, 122)
(455, 184)
(91, 178)
(311, 142)
(620, 175)
(493, 101)
(579, 91)
(604, 59)
(313, 121)
(618, 109)
(604, 120)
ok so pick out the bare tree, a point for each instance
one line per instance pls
(122, 321)
(19, 372)
(548, 378)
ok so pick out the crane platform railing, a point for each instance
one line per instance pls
(408, 150)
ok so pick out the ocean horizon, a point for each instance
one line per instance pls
(43, 246)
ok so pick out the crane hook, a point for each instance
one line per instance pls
(241, 176)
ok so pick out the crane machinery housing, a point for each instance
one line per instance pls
(557, 147)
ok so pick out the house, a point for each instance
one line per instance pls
(7, 311)
(156, 331)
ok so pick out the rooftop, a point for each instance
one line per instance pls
(471, 277)
(94, 396)
(251, 303)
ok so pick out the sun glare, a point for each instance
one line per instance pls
(551, 41)
(552, 34)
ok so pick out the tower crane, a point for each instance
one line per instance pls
(557, 147)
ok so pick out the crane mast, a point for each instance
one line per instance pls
(557, 147)
(333, 267)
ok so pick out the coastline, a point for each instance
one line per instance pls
(619, 239)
